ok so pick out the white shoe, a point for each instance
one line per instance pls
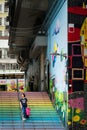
(23, 119)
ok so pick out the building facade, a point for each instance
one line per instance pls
(9, 68)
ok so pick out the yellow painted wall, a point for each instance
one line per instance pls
(3, 15)
(2, 1)
(2, 28)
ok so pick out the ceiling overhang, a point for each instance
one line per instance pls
(25, 22)
(27, 18)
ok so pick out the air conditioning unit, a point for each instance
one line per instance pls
(39, 43)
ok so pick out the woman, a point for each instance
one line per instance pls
(23, 104)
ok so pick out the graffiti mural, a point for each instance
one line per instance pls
(77, 62)
(58, 69)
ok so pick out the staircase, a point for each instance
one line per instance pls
(43, 115)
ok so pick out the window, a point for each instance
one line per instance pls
(0, 33)
(0, 21)
(6, 33)
(0, 53)
(0, 8)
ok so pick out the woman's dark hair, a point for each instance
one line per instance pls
(23, 94)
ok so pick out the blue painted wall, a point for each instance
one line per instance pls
(57, 43)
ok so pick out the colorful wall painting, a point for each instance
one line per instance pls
(3, 82)
(57, 43)
(21, 85)
(77, 57)
(12, 84)
(76, 110)
(83, 42)
(3, 86)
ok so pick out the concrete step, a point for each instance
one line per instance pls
(43, 115)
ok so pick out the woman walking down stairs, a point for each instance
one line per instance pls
(43, 115)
